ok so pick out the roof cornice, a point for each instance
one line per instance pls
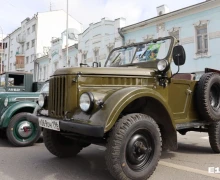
(173, 15)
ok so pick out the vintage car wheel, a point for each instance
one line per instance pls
(134, 147)
(21, 132)
(208, 97)
(59, 145)
(214, 136)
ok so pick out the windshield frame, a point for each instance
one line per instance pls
(141, 43)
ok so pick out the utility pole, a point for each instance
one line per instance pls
(67, 32)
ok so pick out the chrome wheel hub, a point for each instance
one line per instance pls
(24, 129)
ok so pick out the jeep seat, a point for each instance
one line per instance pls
(185, 76)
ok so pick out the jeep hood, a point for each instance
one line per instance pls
(132, 71)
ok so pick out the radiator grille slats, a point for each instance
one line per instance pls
(57, 96)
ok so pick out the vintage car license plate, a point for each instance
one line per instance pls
(49, 124)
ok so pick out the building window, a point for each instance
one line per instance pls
(176, 34)
(202, 39)
(84, 57)
(11, 53)
(5, 56)
(10, 66)
(27, 59)
(18, 50)
(27, 45)
(11, 41)
(110, 48)
(45, 71)
(55, 66)
(33, 27)
(22, 49)
(32, 57)
(40, 73)
(33, 43)
(28, 31)
(96, 53)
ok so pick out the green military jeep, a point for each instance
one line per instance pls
(134, 106)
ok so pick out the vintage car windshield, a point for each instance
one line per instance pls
(138, 53)
(2, 80)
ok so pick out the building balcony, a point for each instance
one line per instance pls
(19, 64)
(19, 67)
(21, 38)
(19, 54)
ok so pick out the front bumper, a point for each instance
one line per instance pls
(84, 129)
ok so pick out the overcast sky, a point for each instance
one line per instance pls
(12, 12)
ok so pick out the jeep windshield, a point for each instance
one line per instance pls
(139, 53)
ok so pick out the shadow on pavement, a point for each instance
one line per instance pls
(4, 143)
(88, 165)
(194, 149)
(167, 155)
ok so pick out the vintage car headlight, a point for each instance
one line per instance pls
(6, 102)
(41, 100)
(162, 65)
(86, 102)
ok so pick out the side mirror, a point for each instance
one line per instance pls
(179, 55)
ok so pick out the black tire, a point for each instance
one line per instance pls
(214, 136)
(208, 97)
(139, 134)
(21, 132)
(59, 145)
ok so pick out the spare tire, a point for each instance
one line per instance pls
(208, 97)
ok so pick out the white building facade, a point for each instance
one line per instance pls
(197, 27)
(98, 40)
(56, 58)
(33, 39)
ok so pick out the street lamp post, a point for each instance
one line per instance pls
(2, 50)
(67, 32)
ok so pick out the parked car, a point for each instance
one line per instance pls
(134, 107)
(18, 82)
(13, 109)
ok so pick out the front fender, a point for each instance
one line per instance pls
(115, 104)
(7, 115)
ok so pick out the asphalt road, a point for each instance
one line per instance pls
(191, 161)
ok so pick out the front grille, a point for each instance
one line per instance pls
(57, 98)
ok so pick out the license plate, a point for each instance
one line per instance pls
(49, 124)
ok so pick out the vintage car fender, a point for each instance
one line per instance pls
(115, 104)
(7, 115)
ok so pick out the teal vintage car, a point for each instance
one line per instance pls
(13, 109)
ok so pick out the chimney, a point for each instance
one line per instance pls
(162, 10)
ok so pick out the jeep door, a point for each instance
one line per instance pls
(179, 98)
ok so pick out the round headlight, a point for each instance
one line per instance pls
(162, 65)
(41, 100)
(86, 102)
(6, 102)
